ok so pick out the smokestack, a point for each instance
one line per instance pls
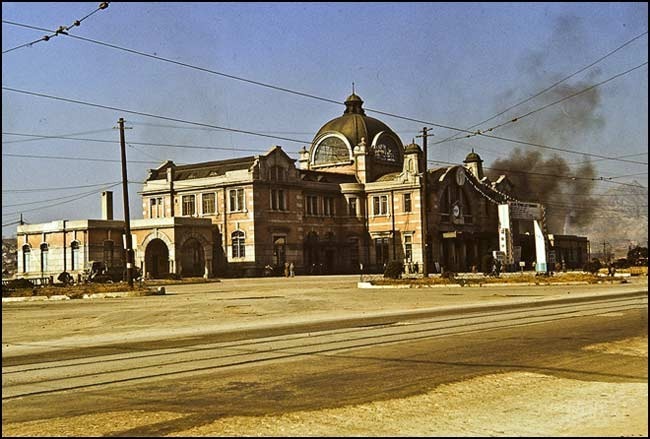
(107, 205)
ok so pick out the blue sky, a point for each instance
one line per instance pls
(451, 64)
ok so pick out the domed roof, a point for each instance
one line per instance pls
(411, 148)
(472, 157)
(354, 124)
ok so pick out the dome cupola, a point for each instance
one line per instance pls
(334, 143)
(474, 163)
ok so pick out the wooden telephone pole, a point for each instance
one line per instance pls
(424, 205)
(127, 219)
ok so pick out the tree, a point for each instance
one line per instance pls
(638, 256)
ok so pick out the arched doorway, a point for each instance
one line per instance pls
(192, 258)
(156, 259)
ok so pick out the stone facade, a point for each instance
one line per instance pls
(353, 202)
(348, 203)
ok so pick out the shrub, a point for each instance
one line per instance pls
(448, 275)
(394, 270)
(486, 264)
(593, 266)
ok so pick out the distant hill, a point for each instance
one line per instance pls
(621, 220)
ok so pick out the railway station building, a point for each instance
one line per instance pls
(351, 202)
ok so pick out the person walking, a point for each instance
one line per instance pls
(291, 268)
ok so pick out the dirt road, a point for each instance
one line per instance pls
(517, 402)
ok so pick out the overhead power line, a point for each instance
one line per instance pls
(55, 188)
(518, 118)
(164, 145)
(555, 84)
(107, 107)
(48, 206)
(90, 104)
(540, 174)
(283, 89)
(87, 159)
(36, 137)
(60, 31)
(55, 199)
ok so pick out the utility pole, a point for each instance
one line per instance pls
(605, 253)
(127, 220)
(424, 205)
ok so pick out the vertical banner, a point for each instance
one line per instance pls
(505, 242)
(540, 249)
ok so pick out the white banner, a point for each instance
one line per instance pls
(505, 242)
(540, 249)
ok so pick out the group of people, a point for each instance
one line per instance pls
(288, 269)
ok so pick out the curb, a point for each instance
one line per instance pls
(472, 285)
(114, 295)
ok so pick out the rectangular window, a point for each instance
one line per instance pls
(237, 200)
(380, 205)
(238, 244)
(407, 202)
(312, 204)
(208, 204)
(278, 199)
(278, 173)
(381, 250)
(408, 247)
(328, 206)
(189, 205)
(156, 209)
(352, 206)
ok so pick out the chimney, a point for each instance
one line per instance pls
(107, 205)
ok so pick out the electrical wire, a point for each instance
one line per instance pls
(55, 188)
(87, 159)
(225, 148)
(279, 89)
(107, 107)
(42, 95)
(60, 31)
(540, 174)
(518, 118)
(555, 84)
(56, 199)
(56, 136)
(57, 204)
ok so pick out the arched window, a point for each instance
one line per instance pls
(386, 149)
(44, 252)
(27, 253)
(238, 244)
(331, 150)
(74, 260)
(455, 205)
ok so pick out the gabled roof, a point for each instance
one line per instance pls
(326, 177)
(279, 151)
(391, 176)
(202, 170)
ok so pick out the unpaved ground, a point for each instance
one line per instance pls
(508, 404)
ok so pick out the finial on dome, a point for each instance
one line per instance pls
(353, 88)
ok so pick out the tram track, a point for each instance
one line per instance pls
(46, 377)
